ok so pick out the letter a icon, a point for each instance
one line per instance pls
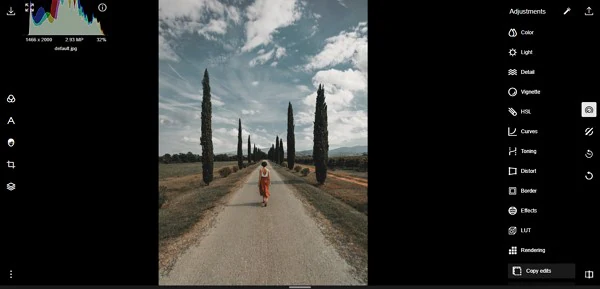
(10, 120)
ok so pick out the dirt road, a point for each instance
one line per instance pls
(252, 245)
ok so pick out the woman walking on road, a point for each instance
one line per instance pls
(264, 181)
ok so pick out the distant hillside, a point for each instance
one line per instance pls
(244, 150)
(339, 152)
(343, 151)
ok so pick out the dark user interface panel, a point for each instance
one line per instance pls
(552, 91)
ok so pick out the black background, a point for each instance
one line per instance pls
(438, 201)
(85, 123)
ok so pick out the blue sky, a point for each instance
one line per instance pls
(260, 55)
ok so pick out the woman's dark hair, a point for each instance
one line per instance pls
(264, 164)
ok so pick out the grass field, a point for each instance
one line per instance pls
(350, 224)
(348, 173)
(186, 169)
(188, 201)
(344, 186)
(352, 173)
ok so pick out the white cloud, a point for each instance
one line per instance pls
(165, 50)
(339, 49)
(190, 139)
(351, 80)
(250, 112)
(167, 121)
(280, 52)
(316, 15)
(360, 60)
(346, 128)
(209, 18)
(274, 63)
(337, 99)
(314, 29)
(261, 51)
(255, 83)
(215, 100)
(195, 11)
(265, 17)
(216, 26)
(342, 3)
(303, 88)
(341, 85)
(262, 59)
(217, 119)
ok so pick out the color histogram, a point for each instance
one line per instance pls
(65, 17)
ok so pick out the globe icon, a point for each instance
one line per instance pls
(512, 211)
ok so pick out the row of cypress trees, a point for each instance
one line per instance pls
(276, 152)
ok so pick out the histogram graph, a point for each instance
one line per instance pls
(65, 25)
(66, 18)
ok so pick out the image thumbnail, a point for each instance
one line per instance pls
(263, 156)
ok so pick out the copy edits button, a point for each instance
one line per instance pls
(541, 271)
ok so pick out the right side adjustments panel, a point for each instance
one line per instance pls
(552, 91)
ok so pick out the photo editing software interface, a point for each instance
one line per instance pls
(262, 173)
(552, 93)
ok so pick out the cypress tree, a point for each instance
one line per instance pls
(249, 152)
(272, 153)
(240, 156)
(254, 153)
(276, 154)
(269, 154)
(321, 137)
(281, 152)
(291, 139)
(206, 129)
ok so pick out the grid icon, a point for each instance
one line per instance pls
(512, 251)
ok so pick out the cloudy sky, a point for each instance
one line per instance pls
(260, 55)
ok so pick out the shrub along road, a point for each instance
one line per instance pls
(253, 245)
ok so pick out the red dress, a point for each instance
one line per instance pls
(264, 182)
